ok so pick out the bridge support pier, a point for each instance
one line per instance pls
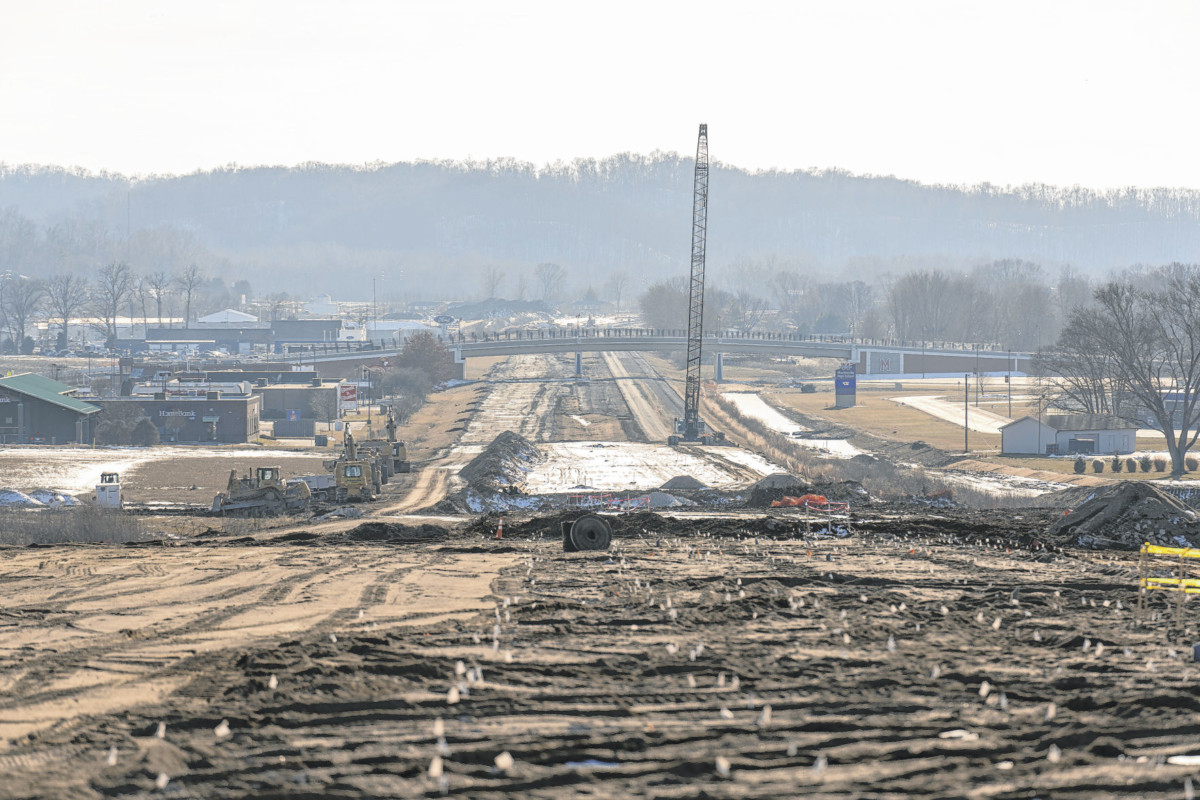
(718, 369)
(578, 364)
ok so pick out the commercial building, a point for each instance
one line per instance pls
(38, 410)
(1059, 434)
(198, 420)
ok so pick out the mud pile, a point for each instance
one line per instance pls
(776, 487)
(391, 532)
(502, 464)
(682, 483)
(643, 524)
(1126, 515)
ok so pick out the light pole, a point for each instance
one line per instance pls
(966, 412)
(367, 376)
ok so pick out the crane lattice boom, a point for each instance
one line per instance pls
(692, 428)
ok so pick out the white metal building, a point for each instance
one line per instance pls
(1068, 433)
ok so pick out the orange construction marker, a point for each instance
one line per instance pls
(500, 529)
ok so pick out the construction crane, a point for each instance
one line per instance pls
(691, 428)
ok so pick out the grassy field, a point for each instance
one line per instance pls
(879, 416)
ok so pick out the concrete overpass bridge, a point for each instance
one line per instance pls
(875, 358)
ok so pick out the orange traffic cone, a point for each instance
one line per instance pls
(500, 529)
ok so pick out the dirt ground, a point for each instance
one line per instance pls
(910, 652)
(893, 665)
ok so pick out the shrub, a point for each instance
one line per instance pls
(1131, 465)
(1080, 465)
(112, 432)
(1117, 464)
(144, 433)
(1160, 464)
(1145, 463)
(1191, 463)
(1097, 466)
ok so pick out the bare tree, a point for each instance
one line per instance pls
(114, 285)
(616, 286)
(493, 276)
(1153, 337)
(522, 287)
(550, 278)
(67, 295)
(324, 405)
(158, 284)
(189, 281)
(23, 298)
(744, 312)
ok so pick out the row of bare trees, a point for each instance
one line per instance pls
(1010, 302)
(116, 291)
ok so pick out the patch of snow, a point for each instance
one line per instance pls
(76, 470)
(747, 459)
(753, 406)
(580, 420)
(978, 419)
(51, 498)
(629, 466)
(1000, 485)
(11, 498)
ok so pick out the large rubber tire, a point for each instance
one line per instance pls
(590, 532)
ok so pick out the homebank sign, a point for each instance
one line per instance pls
(188, 414)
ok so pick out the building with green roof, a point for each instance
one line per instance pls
(38, 410)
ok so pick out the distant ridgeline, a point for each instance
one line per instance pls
(625, 211)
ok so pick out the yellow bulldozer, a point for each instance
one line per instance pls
(358, 474)
(262, 492)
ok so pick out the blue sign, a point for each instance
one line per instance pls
(443, 319)
(844, 380)
(293, 415)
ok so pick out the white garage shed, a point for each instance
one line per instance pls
(1068, 433)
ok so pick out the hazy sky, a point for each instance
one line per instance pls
(1095, 93)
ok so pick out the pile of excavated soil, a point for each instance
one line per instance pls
(682, 483)
(774, 487)
(1126, 515)
(502, 464)
(645, 524)
(391, 532)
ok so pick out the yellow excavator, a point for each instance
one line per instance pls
(262, 492)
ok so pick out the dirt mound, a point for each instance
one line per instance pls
(1126, 515)
(775, 487)
(665, 500)
(851, 492)
(391, 532)
(646, 525)
(502, 464)
(682, 482)
(779, 480)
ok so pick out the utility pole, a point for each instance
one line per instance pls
(966, 412)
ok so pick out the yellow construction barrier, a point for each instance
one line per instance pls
(1181, 584)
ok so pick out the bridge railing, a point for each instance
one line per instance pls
(571, 332)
